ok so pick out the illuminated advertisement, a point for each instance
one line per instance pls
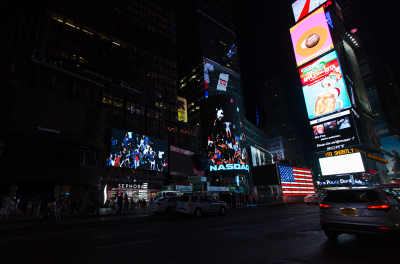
(391, 149)
(217, 77)
(223, 134)
(373, 135)
(137, 151)
(311, 37)
(182, 162)
(302, 8)
(353, 99)
(323, 86)
(232, 50)
(182, 110)
(351, 163)
(296, 181)
(259, 157)
(335, 133)
(358, 81)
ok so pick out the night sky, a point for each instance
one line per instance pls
(265, 51)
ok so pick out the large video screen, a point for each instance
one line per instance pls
(335, 132)
(323, 85)
(217, 77)
(311, 37)
(137, 151)
(391, 149)
(223, 134)
(351, 163)
(296, 181)
(302, 8)
(258, 157)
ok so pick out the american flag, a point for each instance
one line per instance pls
(296, 181)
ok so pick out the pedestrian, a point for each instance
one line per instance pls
(126, 204)
(139, 204)
(49, 212)
(242, 201)
(119, 203)
(28, 207)
(36, 208)
(72, 206)
(144, 203)
(228, 200)
(233, 200)
(57, 210)
(11, 207)
(4, 207)
(247, 198)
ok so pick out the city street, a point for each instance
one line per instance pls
(268, 234)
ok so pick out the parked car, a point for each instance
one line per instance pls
(198, 205)
(313, 198)
(163, 205)
(352, 211)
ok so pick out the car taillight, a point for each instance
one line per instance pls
(324, 206)
(384, 228)
(190, 205)
(157, 204)
(382, 207)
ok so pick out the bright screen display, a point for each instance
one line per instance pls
(391, 149)
(336, 132)
(137, 151)
(259, 157)
(296, 181)
(323, 85)
(311, 37)
(223, 132)
(182, 110)
(351, 163)
(302, 8)
(220, 78)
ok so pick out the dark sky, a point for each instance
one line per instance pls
(265, 51)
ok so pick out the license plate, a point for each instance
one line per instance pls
(348, 211)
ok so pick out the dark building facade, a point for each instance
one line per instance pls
(71, 71)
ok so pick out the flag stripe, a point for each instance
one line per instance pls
(296, 181)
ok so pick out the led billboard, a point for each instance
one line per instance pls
(302, 8)
(218, 77)
(223, 134)
(258, 157)
(351, 163)
(182, 110)
(391, 148)
(335, 132)
(323, 86)
(137, 151)
(311, 37)
(296, 181)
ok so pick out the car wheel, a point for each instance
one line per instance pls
(307, 203)
(168, 210)
(331, 234)
(198, 213)
(222, 211)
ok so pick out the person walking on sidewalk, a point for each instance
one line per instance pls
(126, 205)
(57, 210)
(119, 203)
(4, 207)
(242, 201)
(247, 197)
(233, 200)
(144, 203)
(49, 213)
(36, 208)
(28, 207)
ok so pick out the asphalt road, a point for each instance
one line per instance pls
(270, 234)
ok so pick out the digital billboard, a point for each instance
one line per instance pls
(351, 163)
(218, 77)
(311, 37)
(182, 110)
(335, 132)
(182, 163)
(223, 134)
(391, 148)
(296, 181)
(137, 151)
(258, 157)
(323, 85)
(302, 8)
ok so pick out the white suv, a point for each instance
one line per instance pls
(197, 205)
(352, 211)
(163, 205)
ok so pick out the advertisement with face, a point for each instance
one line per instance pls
(302, 8)
(137, 151)
(223, 134)
(311, 37)
(323, 86)
(391, 149)
(335, 132)
(259, 157)
(357, 77)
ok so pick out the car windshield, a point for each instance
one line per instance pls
(161, 199)
(352, 196)
(184, 198)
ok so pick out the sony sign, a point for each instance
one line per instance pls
(227, 167)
